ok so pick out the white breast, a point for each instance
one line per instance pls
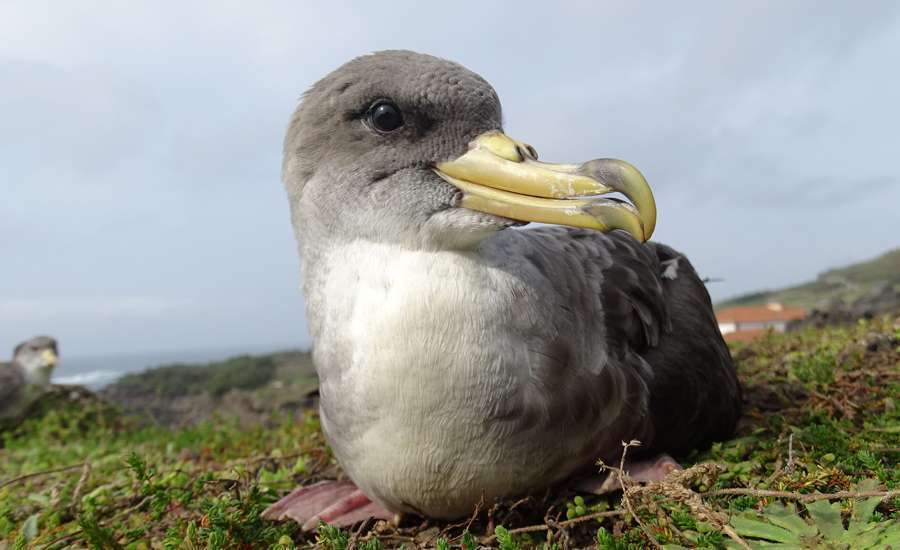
(408, 350)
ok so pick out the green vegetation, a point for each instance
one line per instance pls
(821, 417)
(780, 523)
(250, 388)
(246, 372)
(843, 285)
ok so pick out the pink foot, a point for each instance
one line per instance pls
(655, 469)
(339, 503)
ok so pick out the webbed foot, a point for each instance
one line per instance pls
(654, 469)
(338, 503)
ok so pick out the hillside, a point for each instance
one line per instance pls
(841, 285)
(249, 387)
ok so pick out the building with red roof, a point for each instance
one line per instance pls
(743, 323)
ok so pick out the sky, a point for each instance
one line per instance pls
(141, 206)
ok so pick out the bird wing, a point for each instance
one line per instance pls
(11, 384)
(634, 327)
(695, 395)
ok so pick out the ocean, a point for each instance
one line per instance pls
(96, 372)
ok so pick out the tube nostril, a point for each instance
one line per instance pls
(521, 152)
(525, 151)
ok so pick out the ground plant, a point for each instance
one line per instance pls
(813, 465)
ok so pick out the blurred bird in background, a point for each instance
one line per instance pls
(27, 377)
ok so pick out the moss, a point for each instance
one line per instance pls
(821, 414)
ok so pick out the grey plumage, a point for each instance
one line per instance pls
(12, 386)
(457, 356)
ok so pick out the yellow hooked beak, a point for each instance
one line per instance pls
(501, 176)
(49, 358)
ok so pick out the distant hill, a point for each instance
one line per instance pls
(249, 387)
(245, 372)
(844, 285)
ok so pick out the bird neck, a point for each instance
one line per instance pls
(336, 276)
(35, 375)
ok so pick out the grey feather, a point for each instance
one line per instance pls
(12, 386)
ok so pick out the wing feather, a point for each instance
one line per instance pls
(12, 382)
(658, 327)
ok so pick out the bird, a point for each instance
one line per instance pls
(27, 376)
(460, 354)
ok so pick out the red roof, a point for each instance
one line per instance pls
(745, 335)
(761, 314)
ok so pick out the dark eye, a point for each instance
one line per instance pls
(384, 116)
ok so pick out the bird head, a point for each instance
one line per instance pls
(408, 148)
(37, 358)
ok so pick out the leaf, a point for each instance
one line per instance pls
(329, 536)
(299, 466)
(889, 429)
(827, 517)
(867, 538)
(863, 508)
(787, 518)
(39, 498)
(750, 527)
(504, 539)
(30, 527)
(890, 537)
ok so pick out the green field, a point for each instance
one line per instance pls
(822, 417)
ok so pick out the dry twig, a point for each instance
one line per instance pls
(351, 544)
(85, 473)
(675, 487)
(803, 497)
(41, 473)
(847, 411)
(468, 523)
(625, 482)
(562, 524)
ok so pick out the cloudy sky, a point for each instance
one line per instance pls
(140, 201)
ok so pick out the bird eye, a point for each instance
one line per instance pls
(384, 116)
